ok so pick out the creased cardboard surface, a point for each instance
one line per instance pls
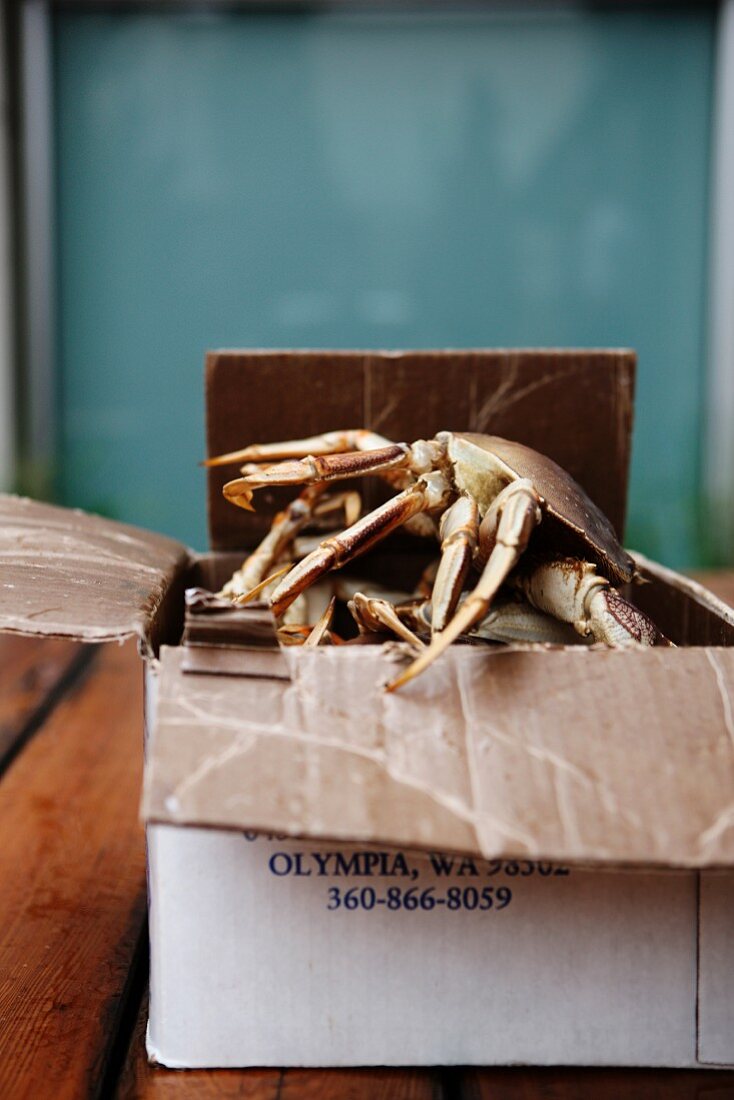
(592, 756)
(68, 573)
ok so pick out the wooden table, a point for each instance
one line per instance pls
(73, 962)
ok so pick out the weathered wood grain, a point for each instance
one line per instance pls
(72, 885)
(360, 1084)
(32, 673)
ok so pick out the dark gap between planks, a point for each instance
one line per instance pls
(72, 677)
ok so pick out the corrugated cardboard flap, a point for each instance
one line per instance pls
(66, 573)
(592, 756)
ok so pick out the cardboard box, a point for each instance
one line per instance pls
(523, 856)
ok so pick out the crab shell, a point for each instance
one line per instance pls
(484, 464)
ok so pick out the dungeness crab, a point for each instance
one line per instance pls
(488, 500)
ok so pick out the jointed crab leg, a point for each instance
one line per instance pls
(459, 531)
(313, 503)
(517, 509)
(375, 615)
(429, 492)
(349, 502)
(571, 591)
(351, 439)
(321, 627)
(285, 526)
(242, 598)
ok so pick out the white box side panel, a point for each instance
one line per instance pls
(250, 967)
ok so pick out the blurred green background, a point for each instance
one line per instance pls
(374, 180)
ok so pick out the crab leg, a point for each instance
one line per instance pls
(459, 531)
(571, 591)
(349, 501)
(285, 526)
(242, 598)
(517, 511)
(321, 627)
(350, 439)
(346, 588)
(374, 615)
(429, 492)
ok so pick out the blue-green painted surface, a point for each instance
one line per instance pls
(373, 181)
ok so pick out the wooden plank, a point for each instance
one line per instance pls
(360, 1084)
(34, 671)
(601, 1084)
(72, 885)
(141, 1081)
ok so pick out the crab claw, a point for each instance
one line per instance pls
(239, 492)
(295, 471)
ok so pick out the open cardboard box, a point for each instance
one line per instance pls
(523, 856)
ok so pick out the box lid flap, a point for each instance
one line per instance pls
(70, 574)
(603, 757)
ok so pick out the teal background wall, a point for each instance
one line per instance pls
(373, 181)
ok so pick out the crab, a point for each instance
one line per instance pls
(489, 500)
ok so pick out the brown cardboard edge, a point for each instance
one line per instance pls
(400, 353)
(418, 852)
(89, 636)
(691, 588)
(625, 410)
